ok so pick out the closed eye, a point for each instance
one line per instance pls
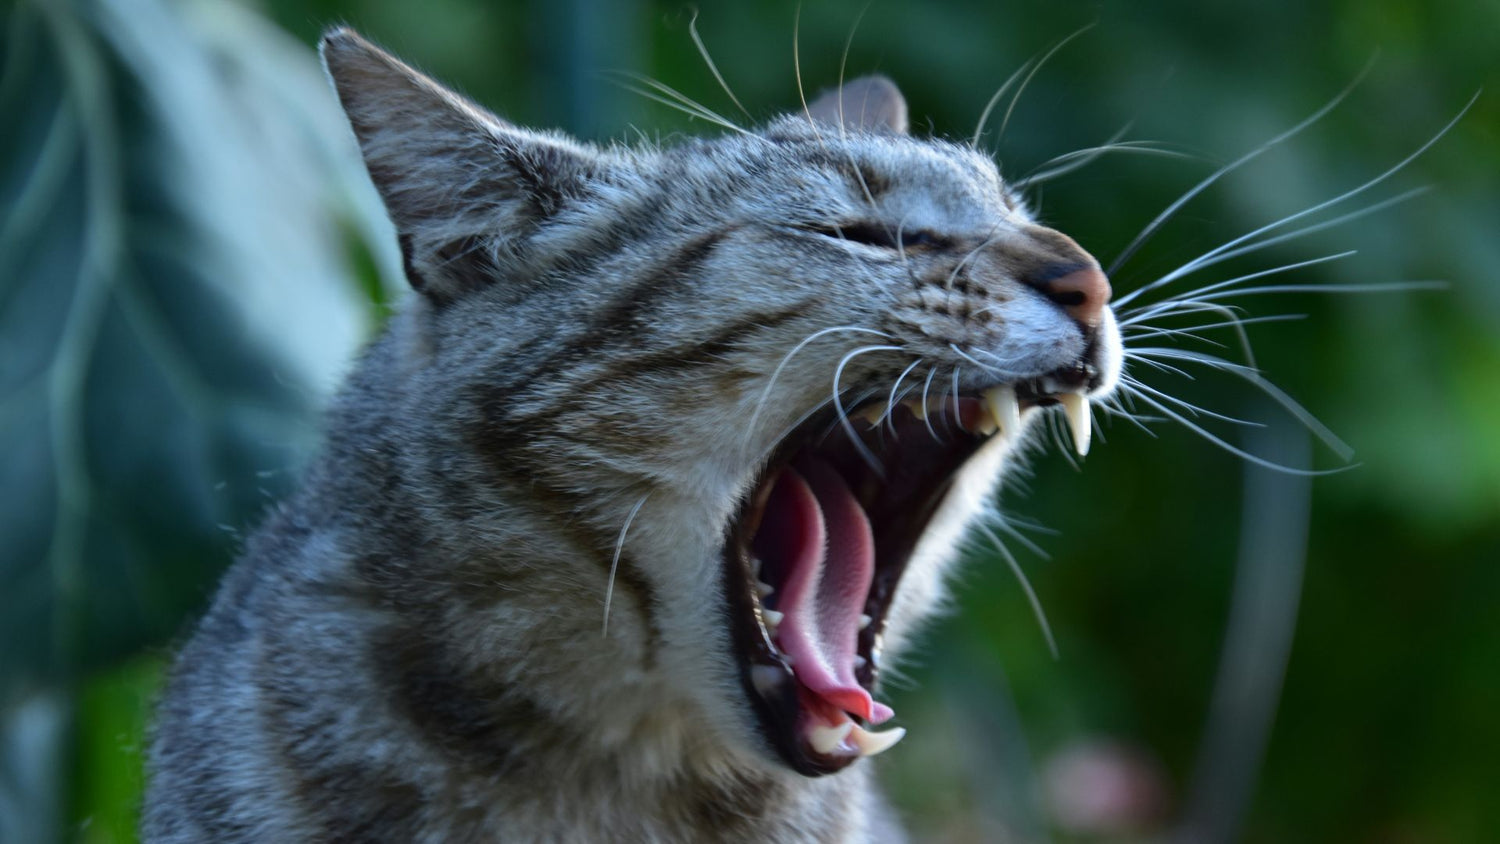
(879, 235)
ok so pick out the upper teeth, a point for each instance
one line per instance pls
(1076, 411)
(1003, 407)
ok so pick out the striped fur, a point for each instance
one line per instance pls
(411, 648)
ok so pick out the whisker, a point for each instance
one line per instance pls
(1238, 452)
(927, 417)
(765, 394)
(1349, 194)
(1190, 330)
(713, 68)
(1321, 431)
(1161, 219)
(1195, 410)
(614, 564)
(843, 415)
(1015, 568)
(890, 403)
(1080, 158)
(984, 116)
(1005, 121)
(1130, 316)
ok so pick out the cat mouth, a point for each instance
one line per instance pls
(816, 554)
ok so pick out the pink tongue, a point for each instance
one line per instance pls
(820, 537)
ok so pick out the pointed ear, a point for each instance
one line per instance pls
(465, 189)
(872, 103)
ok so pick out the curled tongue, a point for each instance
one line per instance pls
(817, 549)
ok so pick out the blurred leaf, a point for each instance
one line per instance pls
(160, 364)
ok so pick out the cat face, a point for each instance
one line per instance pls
(761, 383)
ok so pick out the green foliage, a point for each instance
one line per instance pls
(189, 251)
(177, 296)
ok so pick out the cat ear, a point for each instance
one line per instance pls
(464, 188)
(872, 103)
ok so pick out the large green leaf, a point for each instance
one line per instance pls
(177, 294)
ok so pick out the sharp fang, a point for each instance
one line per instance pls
(1002, 404)
(1076, 408)
(772, 618)
(869, 744)
(985, 424)
(763, 589)
(767, 679)
(859, 661)
(864, 621)
(871, 415)
(917, 408)
(825, 739)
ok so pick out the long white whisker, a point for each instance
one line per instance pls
(614, 564)
(984, 116)
(1195, 410)
(760, 403)
(1321, 431)
(1213, 177)
(1349, 194)
(1015, 568)
(843, 416)
(1215, 256)
(1238, 452)
(713, 68)
(890, 403)
(1005, 121)
(1134, 315)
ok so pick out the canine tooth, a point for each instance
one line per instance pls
(1003, 406)
(1076, 408)
(763, 588)
(772, 618)
(825, 739)
(859, 661)
(985, 423)
(767, 679)
(864, 621)
(869, 744)
(917, 408)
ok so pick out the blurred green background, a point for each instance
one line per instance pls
(189, 253)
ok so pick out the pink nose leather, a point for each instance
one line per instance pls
(1082, 293)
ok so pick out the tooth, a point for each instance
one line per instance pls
(763, 589)
(1076, 408)
(985, 424)
(864, 621)
(1002, 405)
(916, 407)
(859, 661)
(772, 618)
(825, 739)
(871, 415)
(767, 679)
(755, 567)
(870, 743)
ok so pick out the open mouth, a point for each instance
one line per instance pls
(817, 552)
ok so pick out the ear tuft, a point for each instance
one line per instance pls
(465, 189)
(870, 103)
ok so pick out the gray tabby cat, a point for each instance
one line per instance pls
(618, 519)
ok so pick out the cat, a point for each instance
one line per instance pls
(619, 517)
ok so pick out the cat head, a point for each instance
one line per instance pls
(761, 383)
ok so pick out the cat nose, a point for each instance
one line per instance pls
(1081, 290)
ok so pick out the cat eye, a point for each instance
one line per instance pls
(879, 235)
